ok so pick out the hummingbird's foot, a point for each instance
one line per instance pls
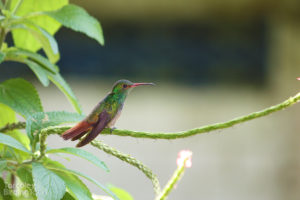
(112, 129)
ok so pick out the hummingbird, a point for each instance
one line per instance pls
(104, 115)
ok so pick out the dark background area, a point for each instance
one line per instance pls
(189, 52)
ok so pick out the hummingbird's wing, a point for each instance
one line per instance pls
(78, 129)
(104, 119)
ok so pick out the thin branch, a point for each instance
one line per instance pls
(204, 129)
(12, 126)
(131, 160)
(171, 183)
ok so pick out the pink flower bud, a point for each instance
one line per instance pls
(298, 78)
(184, 157)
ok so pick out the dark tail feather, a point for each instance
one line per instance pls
(78, 129)
(104, 118)
(80, 135)
(97, 128)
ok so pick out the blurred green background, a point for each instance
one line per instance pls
(211, 61)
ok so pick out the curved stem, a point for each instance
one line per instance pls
(171, 183)
(12, 126)
(204, 129)
(131, 160)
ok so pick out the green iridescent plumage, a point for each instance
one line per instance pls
(103, 115)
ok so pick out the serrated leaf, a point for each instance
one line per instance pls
(58, 80)
(23, 38)
(38, 121)
(21, 96)
(10, 141)
(75, 186)
(54, 165)
(47, 185)
(76, 173)
(81, 153)
(121, 193)
(77, 19)
(73, 183)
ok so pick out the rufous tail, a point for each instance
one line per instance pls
(79, 129)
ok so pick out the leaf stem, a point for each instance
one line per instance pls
(171, 183)
(131, 160)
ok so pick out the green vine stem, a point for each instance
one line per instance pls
(204, 129)
(12, 126)
(131, 160)
(171, 183)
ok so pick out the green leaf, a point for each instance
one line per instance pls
(55, 77)
(37, 58)
(77, 19)
(81, 153)
(48, 185)
(121, 193)
(10, 141)
(25, 174)
(50, 45)
(47, 41)
(76, 173)
(74, 185)
(58, 80)
(23, 38)
(38, 121)
(2, 56)
(39, 72)
(3, 164)
(7, 115)
(5, 192)
(67, 196)
(21, 96)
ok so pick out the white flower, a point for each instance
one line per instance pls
(184, 158)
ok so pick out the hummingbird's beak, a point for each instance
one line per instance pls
(138, 84)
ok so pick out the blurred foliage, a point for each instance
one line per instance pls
(22, 158)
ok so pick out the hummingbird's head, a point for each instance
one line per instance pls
(122, 86)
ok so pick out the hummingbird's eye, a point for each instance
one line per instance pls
(125, 86)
